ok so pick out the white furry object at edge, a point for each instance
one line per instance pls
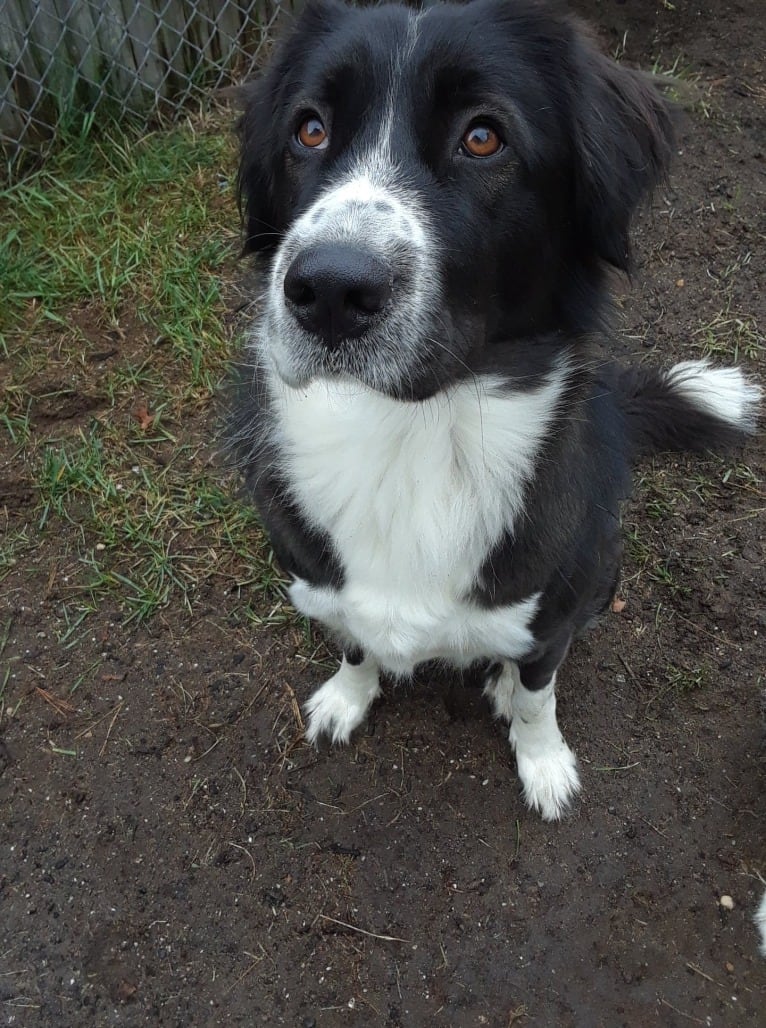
(414, 496)
(760, 923)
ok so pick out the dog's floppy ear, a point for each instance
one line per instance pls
(624, 140)
(256, 186)
(259, 182)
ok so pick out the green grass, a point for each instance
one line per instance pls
(113, 339)
(730, 336)
(127, 225)
(14, 418)
(686, 679)
(14, 544)
(683, 84)
(147, 533)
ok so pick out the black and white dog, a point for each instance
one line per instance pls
(435, 454)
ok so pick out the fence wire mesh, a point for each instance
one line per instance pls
(64, 62)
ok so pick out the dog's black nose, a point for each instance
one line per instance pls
(335, 291)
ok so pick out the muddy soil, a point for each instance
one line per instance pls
(172, 853)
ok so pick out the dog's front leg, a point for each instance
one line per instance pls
(341, 704)
(546, 765)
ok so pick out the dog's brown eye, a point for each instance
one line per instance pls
(312, 133)
(482, 141)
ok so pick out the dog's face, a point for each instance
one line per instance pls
(430, 186)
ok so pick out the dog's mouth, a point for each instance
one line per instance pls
(365, 355)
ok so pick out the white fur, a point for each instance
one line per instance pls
(413, 497)
(346, 212)
(399, 60)
(547, 767)
(342, 703)
(407, 628)
(499, 691)
(723, 392)
(760, 923)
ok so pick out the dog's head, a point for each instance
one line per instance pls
(431, 185)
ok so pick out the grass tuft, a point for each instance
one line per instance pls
(730, 337)
(114, 336)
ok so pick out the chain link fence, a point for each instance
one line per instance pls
(66, 63)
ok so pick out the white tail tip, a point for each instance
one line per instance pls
(724, 393)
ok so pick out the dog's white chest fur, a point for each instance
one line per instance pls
(413, 497)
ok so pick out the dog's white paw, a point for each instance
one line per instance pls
(342, 703)
(549, 778)
(499, 691)
(332, 713)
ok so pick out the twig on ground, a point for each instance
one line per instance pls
(102, 751)
(362, 931)
(702, 974)
(59, 705)
(249, 854)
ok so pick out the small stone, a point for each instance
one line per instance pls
(727, 902)
(729, 967)
(680, 283)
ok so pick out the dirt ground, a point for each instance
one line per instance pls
(172, 853)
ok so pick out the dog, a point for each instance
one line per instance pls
(438, 197)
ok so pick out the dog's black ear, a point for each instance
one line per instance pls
(259, 183)
(624, 141)
(256, 186)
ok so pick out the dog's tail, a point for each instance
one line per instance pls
(693, 406)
